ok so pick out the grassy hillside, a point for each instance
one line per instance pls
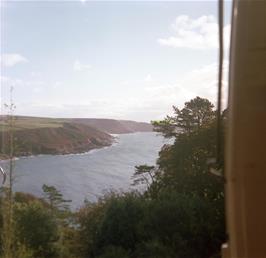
(51, 136)
(23, 122)
(106, 125)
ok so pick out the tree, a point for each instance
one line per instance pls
(181, 213)
(114, 252)
(59, 208)
(178, 225)
(144, 174)
(183, 169)
(112, 222)
(168, 127)
(36, 229)
(55, 198)
(196, 114)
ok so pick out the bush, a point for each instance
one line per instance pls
(114, 252)
(114, 221)
(35, 228)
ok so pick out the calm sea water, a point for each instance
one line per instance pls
(89, 175)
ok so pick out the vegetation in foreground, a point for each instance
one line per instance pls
(180, 215)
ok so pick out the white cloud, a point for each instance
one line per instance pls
(7, 82)
(9, 60)
(125, 83)
(57, 84)
(3, 4)
(200, 82)
(35, 74)
(204, 82)
(200, 33)
(148, 78)
(153, 102)
(78, 66)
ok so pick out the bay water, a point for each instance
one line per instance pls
(88, 175)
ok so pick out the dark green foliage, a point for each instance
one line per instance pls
(112, 222)
(168, 127)
(196, 114)
(185, 165)
(184, 168)
(41, 232)
(114, 252)
(120, 222)
(59, 208)
(36, 228)
(144, 174)
(55, 198)
(1, 222)
(172, 225)
(26, 198)
(181, 214)
(154, 248)
(184, 226)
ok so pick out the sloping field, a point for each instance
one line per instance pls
(106, 125)
(23, 122)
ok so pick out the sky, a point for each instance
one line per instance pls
(123, 60)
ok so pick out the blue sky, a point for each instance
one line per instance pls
(124, 60)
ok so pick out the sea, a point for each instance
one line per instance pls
(88, 176)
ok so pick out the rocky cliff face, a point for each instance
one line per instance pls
(68, 138)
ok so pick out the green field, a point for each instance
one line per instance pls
(20, 122)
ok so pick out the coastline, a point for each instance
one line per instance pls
(5, 157)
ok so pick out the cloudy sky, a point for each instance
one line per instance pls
(124, 60)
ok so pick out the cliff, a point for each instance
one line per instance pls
(64, 139)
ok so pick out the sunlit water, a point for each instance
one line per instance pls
(89, 175)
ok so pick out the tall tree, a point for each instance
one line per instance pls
(196, 113)
(55, 198)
